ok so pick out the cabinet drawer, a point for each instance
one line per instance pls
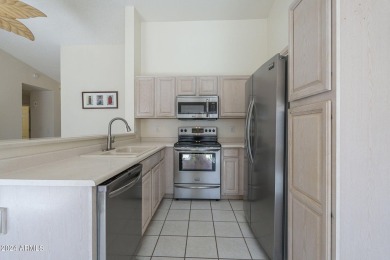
(232, 152)
(150, 162)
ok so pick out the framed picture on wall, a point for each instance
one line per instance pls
(100, 99)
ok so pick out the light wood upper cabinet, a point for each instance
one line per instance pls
(186, 86)
(309, 182)
(310, 48)
(197, 86)
(207, 86)
(155, 97)
(231, 92)
(144, 97)
(165, 97)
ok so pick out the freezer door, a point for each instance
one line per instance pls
(266, 179)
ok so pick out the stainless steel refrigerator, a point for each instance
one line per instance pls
(265, 168)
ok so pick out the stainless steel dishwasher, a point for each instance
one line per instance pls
(119, 218)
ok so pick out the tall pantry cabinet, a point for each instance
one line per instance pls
(311, 100)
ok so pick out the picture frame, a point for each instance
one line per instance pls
(99, 99)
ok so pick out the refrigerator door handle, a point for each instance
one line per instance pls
(248, 127)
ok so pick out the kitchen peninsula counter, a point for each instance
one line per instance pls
(77, 170)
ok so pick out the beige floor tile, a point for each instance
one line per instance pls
(240, 215)
(175, 228)
(201, 229)
(237, 204)
(181, 204)
(200, 204)
(154, 228)
(221, 205)
(148, 244)
(170, 246)
(227, 229)
(255, 249)
(201, 215)
(246, 230)
(160, 214)
(201, 247)
(232, 248)
(178, 214)
(223, 215)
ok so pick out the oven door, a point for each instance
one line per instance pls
(197, 166)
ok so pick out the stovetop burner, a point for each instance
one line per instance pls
(195, 144)
(197, 137)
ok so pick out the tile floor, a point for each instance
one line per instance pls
(199, 229)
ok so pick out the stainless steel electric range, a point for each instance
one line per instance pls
(197, 173)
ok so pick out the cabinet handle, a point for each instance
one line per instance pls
(3, 221)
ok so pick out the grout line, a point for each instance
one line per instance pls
(215, 233)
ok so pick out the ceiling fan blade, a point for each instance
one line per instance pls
(16, 27)
(18, 10)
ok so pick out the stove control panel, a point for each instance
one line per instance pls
(196, 130)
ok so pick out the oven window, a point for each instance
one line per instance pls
(192, 108)
(197, 161)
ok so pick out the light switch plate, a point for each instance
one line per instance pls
(3, 221)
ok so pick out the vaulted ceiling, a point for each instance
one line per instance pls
(74, 22)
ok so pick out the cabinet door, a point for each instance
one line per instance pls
(207, 86)
(165, 97)
(310, 48)
(309, 182)
(146, 200)
(230, 172)
(155, 187)
(162, 179)
(186, 86)
(144, 97)
(232, 97)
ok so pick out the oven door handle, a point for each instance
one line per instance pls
(197, 187)
(197, 149)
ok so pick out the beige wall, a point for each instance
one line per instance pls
(203, 47)
(278, 27)
(91, 68)
(14, 73)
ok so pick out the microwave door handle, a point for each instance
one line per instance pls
(207, 107)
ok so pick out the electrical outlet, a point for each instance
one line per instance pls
(157, 129)
(232, 129)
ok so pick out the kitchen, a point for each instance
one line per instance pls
(346, 205)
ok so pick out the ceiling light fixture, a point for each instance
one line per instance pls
(11, 10)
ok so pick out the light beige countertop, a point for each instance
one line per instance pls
(83, 170)
(232, 145)
(77, 170)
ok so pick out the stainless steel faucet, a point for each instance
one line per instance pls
(111, 140)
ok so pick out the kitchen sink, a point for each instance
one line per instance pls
(124, 151)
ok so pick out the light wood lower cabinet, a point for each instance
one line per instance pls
(146, 200)
(232, 171)
(309, 181)
(153, 186)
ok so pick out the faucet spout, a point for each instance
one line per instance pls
(110, 139)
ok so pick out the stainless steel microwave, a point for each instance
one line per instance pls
(197, 107)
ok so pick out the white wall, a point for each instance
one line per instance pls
(278, 27)
(167, 128)
(132, 60)
(364, 141)
(91, 68)
(13, 73)
(203, 47)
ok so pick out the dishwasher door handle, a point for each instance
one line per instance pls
(125, 187)
(197, 186)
